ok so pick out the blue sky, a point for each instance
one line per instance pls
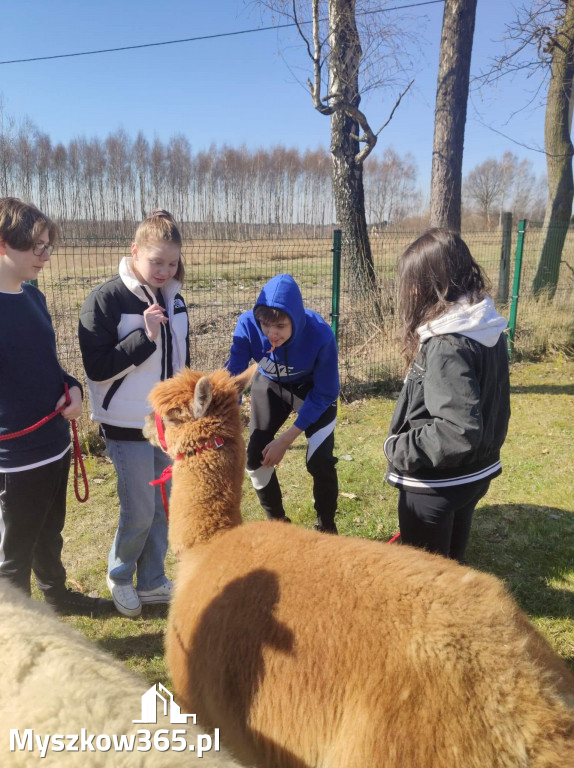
(231, 90)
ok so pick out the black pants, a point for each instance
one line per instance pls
(32, 514)
(440, 522)
(271, 405)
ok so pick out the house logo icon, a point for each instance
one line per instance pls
(149, 706)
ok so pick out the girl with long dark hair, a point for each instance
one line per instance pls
(451, 418)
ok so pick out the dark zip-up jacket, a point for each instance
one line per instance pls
(452, 415)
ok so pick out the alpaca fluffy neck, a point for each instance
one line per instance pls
(205, 497)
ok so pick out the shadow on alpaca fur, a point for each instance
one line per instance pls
(310, 650)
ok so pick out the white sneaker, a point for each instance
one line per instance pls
(161, 594)
(125, 598)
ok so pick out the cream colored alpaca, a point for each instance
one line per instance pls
(54, 681)
(311, 650)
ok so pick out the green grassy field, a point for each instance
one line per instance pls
(523, 530)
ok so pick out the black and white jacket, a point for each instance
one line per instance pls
(122, 364)
(452, 415)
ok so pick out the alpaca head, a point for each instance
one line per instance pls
(203, 433)
(196, 407)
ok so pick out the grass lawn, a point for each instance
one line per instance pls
(523, 530)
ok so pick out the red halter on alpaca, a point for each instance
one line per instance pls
(167, 472)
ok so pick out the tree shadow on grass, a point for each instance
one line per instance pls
(542, 389)
(531, 548)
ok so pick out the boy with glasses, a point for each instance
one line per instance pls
(33, 466)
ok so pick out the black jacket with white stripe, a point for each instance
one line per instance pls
(452, 415)
(122, 364)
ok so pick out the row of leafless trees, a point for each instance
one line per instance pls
(121, 179)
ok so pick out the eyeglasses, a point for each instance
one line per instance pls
(38, 249)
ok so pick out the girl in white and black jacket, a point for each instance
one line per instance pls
(451, 418)
(133, 333)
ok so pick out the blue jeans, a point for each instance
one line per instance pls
(141, 539)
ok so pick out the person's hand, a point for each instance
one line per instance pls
(274, 452)
(154, 317)
(74, 410)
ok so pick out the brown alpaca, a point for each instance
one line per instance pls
(312, 650)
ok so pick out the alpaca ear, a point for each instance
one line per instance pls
(202, 397)
(242, 381)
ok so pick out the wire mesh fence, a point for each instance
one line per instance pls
(545, 318)
(223, 278)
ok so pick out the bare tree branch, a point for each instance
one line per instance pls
(393, 110)
(304, 37)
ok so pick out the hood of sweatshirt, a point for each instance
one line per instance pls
(169, 291)
(143, 292)
(479, 321)
(282, 292)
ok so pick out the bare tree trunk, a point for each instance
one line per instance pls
(559, 152)
(450, 113)
(349, 196)
(348, 189)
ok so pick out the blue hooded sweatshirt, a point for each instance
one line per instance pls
(309, 355)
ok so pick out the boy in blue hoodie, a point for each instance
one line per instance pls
(298, 371)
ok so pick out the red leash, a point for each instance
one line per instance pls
(78, 458)
(165, 476)
(161, 481)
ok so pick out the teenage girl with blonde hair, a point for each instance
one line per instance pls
(134, 332)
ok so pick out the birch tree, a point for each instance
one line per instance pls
(342, 69)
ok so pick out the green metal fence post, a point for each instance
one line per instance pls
(516, 286)
(336, 291)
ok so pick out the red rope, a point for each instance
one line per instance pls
(165, 476)
(161, 481)
(79, 468)
(38, 424)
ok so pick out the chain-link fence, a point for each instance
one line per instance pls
(223, 278)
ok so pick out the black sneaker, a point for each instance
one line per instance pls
(71, 602)
(332, 528)
(283, 519)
